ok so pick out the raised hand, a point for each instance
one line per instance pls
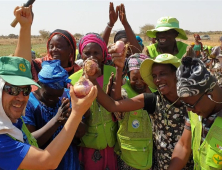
(64, 111)
(117, 58)
(113, 15)
(122, 14)
(24, 15)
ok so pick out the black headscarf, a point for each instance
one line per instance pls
(119, 35)
(193, 78)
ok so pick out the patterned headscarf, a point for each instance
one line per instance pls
(135, 60)
(119, 35)
(53, 75)
(94, 38)
(193, 78)
(70, 39)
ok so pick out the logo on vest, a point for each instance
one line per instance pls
(135, 124)
(22, 67)
(219, 147)
(217, 159)
(135, 113)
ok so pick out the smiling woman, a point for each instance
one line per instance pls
(167, 113)
(97, 145)
(61, 45)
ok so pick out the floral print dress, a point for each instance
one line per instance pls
(168, 124)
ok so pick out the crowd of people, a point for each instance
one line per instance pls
(152, 107)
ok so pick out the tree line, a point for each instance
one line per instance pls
(45, 34)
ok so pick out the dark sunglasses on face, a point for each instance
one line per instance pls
(192, 106)
(15, 90)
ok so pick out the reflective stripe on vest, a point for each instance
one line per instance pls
(180, 46)
(101, 128)
(208, 155)
(135, 136)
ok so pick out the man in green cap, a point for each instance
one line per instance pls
(166, 32)
(18, 148)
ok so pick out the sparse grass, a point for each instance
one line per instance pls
(7, 46)
(214, 40)
(40, 49)
(6, 50)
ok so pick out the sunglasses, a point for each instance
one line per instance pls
(15, 90)
(192, 106)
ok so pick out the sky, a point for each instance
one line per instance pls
(85, 16)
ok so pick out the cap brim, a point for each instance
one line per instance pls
(152, 33)
(19, 80)
(146, 70)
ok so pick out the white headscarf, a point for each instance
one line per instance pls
(6, 126)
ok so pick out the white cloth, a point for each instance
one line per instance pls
(217, 51)
(79, 62)
(6, 126)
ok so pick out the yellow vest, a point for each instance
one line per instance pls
(101, 128)
(182, 47)
(208, 155)
(135, 136)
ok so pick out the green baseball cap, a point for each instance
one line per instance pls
(16, 71)
(165, 24)
(146, 67)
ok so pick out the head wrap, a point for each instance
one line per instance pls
(6, 126)
(94, 38)
(53, 75)
(193, 78)
(140, 41)
(119, 35)
(197, 35)
(72, 42)
(135, 60)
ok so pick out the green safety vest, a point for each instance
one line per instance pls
(77, 52)
(135, 136)
(101, 128)
(182, 47)
(31, 140)
(209, 49)
(208, 155)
